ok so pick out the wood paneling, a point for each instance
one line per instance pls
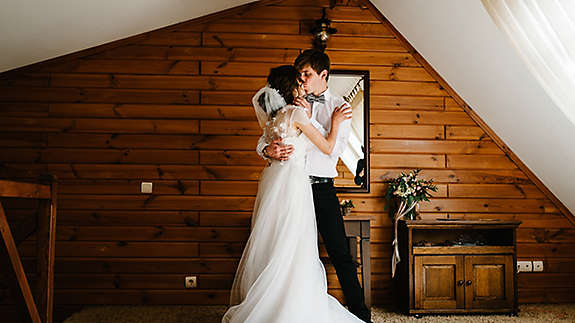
(99, 125)
(140, 111)
(408, 160)
(174, 107)
(23, 94)
(372, 58)
(433, 146)
(118, 248)
(125, 67)
(390, 102)
(407, 131)
(422, 117)
(252, 40)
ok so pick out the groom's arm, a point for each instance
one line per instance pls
(342, 137)
(262, 144)
(273, 150)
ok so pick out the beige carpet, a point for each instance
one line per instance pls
(212, 314)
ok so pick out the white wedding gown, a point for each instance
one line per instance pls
(280, 277)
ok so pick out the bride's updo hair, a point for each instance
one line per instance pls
(284, 79)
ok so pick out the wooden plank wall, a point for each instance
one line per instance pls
(174, 109)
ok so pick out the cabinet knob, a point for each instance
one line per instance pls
(468, 282)
(460, 283)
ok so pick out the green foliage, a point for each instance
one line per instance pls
(346, 204)
(407, 187)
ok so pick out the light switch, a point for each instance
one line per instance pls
(146, 187)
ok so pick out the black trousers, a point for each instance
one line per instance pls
(332, 230)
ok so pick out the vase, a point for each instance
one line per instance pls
(345, 211)
(413, 214)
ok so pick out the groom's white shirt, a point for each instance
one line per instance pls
(317, 163)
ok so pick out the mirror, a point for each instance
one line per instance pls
(353, 165)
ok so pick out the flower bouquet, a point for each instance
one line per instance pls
(346, 206)
(403, 196)
(405, 192)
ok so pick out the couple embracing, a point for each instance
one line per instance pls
(280, 277)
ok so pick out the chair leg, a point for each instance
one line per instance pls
(45, 260)
(17, 266)
(8, 276)
(46, 244)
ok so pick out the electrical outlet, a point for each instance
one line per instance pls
(524, 266)
(191, 282)
(146, 187)
(538, 265)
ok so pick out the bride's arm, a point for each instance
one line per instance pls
(326, 144)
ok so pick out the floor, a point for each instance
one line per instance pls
(213, 314)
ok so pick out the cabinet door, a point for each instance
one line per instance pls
(438, 282)
(489, 281)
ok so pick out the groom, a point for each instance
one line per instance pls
(319, 103)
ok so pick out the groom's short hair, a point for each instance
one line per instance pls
(318, 61)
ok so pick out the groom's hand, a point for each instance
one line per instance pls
(302, 102)
(276, 150)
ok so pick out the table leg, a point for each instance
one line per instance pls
(365, 251)
(352, 241)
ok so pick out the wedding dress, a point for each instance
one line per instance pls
(280, 277)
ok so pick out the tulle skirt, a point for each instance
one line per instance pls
(280, 277)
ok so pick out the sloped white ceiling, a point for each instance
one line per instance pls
(36, 30)
(458, 38)
(461, 42)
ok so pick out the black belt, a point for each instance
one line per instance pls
(320, 180)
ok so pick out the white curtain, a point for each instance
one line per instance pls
(543, 32)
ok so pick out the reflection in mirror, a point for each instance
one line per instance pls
(353, 166)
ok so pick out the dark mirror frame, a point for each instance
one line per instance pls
(365, 187)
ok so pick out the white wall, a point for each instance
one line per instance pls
(461, 42)
(36, 30)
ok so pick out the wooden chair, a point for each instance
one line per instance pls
(40, 309)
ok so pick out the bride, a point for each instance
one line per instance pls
(280, 277)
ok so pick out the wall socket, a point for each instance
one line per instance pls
(191, 282)
(524, 266)
(538, 265)
(530, 266)
(146, 188)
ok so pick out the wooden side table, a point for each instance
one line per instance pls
(457, 266)
(40, 310)
(359, 226)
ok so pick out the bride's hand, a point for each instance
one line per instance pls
(340, 114)
(300, 101)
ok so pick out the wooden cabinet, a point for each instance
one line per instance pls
(456, 266)
(463, 282)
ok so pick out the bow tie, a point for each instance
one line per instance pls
(311, 98)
